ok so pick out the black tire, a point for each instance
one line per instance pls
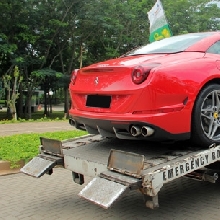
(206, 117)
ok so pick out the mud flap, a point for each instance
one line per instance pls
(103, 192)
(40, 165)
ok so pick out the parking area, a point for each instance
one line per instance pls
(55, 197)
(34, 127)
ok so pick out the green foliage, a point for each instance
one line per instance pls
(186, 16)
(46, 73)
(37, 116)
(25, 146)
(46, 40)
(121, 26)
(58, 35)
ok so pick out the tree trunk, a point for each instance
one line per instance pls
(20, 104)
(29, 108)
(45, 104)
(13, 107)
(66, 103)
(8, 104)
(29, 96)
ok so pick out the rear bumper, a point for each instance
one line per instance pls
(164, 125)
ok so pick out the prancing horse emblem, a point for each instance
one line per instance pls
(96, 81)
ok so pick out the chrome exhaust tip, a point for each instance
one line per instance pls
(147, 131)
(135, 130)
(72, 122)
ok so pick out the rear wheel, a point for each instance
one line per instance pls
(206, 116)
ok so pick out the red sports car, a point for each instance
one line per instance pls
(166, 90)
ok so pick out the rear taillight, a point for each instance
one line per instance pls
(73, 76)
(140, 73)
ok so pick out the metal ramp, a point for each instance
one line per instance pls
(40, 165)
(103, 192)
(123, 174)
(51, 155)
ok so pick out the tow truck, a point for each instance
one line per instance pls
(119, 166)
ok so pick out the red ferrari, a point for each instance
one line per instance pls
(166, 90)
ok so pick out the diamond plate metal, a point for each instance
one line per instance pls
(37, 167)
(102, 192)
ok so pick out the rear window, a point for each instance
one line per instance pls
(170, 45)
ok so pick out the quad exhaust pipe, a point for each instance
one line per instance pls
(137, 130)
(76, 124)
(72, 122)
(147, 131)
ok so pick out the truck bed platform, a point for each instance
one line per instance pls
(122, 165)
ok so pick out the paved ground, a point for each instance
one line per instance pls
(55, 196)
(34, 127)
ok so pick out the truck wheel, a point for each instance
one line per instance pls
(206, 117)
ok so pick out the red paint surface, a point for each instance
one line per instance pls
(164, 99)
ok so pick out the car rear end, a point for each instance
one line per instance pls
(117, 100)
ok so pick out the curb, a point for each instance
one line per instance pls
(6, 170)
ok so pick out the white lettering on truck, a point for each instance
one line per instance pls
(191, 165)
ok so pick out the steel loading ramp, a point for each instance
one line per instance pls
(51, 155)
(110, 185)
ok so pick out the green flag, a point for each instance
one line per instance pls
(159, 27)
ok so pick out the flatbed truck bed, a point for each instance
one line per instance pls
(118, 166)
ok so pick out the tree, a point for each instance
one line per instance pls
(12, 79)
(35, 38)
(43, 38)
(111, 32)
(47, 78)
(186, 16)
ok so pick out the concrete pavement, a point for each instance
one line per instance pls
(55, 197)
(34, 127)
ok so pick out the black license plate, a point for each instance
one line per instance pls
(100, 101)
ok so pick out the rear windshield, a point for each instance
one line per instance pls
(169, 45)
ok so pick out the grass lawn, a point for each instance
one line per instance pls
(25, 146)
